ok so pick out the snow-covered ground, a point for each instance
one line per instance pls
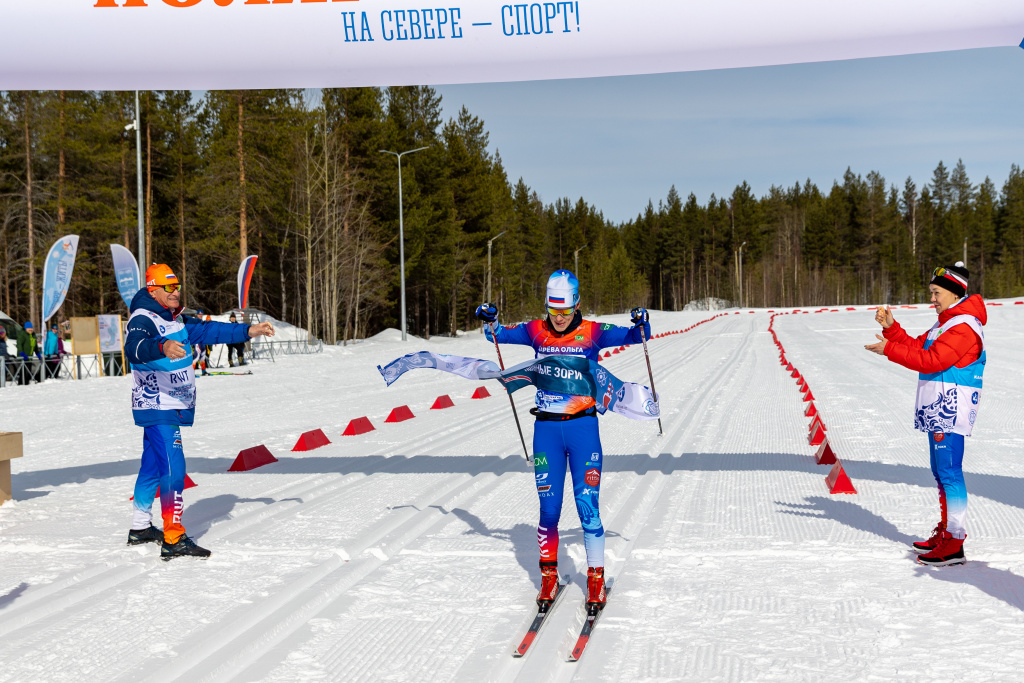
(409, 553)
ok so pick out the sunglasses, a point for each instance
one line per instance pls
(939, 272)
(564, 312)
(170, 289)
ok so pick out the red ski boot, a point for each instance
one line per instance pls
(548, 583)
(595, 587)
(948, 551)
(929, 545)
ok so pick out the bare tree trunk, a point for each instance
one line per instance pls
(60, 165)
(33, 291)
(309, 248)
(181, 216)
(124, 189)
(243, 239)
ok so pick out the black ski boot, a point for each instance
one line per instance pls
(185, 547)
(150, 535)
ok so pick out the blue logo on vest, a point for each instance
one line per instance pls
(974, 400)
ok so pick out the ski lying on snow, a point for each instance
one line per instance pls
(593, 613)
(229, 373)
(538, 622)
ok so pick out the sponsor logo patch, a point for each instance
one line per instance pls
(593, 478)
(546, 487)
(540, 462)
(938, 436)
(974, 398)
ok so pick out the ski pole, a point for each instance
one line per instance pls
(519, 427)
(643, 338)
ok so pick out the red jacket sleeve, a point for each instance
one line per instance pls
(944, 353)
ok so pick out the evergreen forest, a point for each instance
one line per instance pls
(298, 178)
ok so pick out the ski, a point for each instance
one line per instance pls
(229, 373)
(538, 622)
(593, 613)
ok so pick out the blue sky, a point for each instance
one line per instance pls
(619, 142)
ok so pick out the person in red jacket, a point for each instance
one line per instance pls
(950, 361)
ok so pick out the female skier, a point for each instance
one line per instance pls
(950, 358)
(566, 429)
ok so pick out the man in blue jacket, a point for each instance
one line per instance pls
(159, 346)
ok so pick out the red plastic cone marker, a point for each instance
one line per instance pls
(802, 385)
(795, 374)
(825, 454)
(481, 392)
(310, 440)
(811, 410)
(360, 425)
(251, 458)
(188, 484)
(607, 354)
(615, 350)
(816, 420)
(817, 435)
(400, 414)
(808, 396)
(838, 481)
(442, 402)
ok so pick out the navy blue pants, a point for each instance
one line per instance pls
(573, 446)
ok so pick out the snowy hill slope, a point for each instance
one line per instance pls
(409, 553)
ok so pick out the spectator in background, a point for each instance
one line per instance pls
(27, 347)
(201, 351)
(235, 348)
(53, 349)
(4, 353)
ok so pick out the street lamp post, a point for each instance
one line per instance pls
(490, 294)
(138, 166)
(576, 261)
(401, 228)
(741, 273)
(487, 294)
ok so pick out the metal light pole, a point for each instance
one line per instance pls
(576, 261)
(138, 165)
(487, 294)
(401, 227)
(490, 294)
(741, 273)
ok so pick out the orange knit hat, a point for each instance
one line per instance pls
(160, 274)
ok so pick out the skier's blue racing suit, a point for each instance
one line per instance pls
(566, 432)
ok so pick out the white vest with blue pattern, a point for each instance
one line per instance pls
(947, 401)
(165, 384)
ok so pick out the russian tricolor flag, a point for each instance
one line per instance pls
(245, 272)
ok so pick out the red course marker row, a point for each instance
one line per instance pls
(609, 354)
(837, 480)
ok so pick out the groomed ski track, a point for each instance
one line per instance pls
(409, 553)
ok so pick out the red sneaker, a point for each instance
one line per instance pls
(595, 587)
(948, 551)
(548, 583)
(929, 545)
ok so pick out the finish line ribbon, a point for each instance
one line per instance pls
(557, 374)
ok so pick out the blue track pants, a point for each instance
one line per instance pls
(947, 459)
(573, 445)
(163, 469)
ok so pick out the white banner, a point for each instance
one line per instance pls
(222, 44)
